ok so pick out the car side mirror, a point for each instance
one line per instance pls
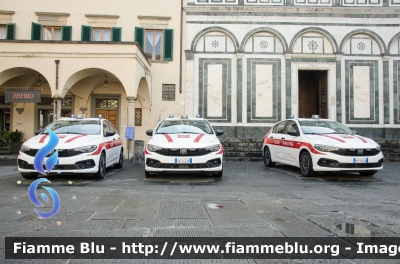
(293, 133)
(149, 132)
(110, 133)
(37, 132)
(219, 132)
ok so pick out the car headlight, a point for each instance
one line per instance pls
(153, 148)
(86, 149)
(325, 148)
(24, 149)
(213, 148)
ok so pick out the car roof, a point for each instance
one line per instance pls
(71, 118)
(184, 118)
(310, 119)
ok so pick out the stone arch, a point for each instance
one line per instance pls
(211, 29)
(100, 77)
(321, 31)
(143, 93)
(391, 42)
(264, 29)
(31, 77)
(368, 32)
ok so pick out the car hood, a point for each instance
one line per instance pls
(343, 140)
(183, 138)
(65, 140)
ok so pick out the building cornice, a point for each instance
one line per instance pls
(162, 18)
(51, 14)
(285, 10)
(4, 12)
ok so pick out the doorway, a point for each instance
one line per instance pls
(313, 94)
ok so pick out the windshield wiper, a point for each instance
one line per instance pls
(186, 132)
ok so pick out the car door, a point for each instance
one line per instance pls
(111, 142)
(274, 140)
(290, 143)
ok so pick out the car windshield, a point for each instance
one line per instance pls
(184, 126)
(87, 127)
(324, 127)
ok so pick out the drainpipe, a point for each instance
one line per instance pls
(57, 102)
(180, 50)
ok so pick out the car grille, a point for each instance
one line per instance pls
(356, 152)
(62, 153)
(183, 152)
(359, 165)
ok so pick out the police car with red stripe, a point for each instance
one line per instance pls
(184, 145)
(320, 145)
(85, 146)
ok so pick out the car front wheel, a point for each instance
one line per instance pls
(306, 165)
(219, 174)
(267, 158)
(102, 167)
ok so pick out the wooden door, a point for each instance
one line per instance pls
(322, 88)
(110, 115)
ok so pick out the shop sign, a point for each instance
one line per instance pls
(22, 96)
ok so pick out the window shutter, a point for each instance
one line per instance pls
(86, 33)
(116, 34)
(10, 33)
(36, 33)
(139, 36)
(168, 44)
(66, 33)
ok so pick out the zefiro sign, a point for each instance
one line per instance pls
(22, 96)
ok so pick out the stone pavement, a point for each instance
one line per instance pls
(249, 201)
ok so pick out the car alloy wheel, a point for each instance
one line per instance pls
(102, 167)
(267, 158)
(306, 165)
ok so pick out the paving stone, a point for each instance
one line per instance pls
(233, 213)
(131, 209)
(182, 209)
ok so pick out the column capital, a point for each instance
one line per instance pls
(131, 99)
(385, 57)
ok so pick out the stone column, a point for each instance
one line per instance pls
(288, 59)
(131, 123)
(56, 108)
(189, 85)
(339, 87)
(239, 76)
(386, 94)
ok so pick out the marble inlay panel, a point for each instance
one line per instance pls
(215, 43)
(264, 95)
(361, 46)
(361, 92)
(264, 44)
(214, 96)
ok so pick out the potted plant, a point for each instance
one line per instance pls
(4, 140)
(15, 138)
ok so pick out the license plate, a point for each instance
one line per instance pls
(44, 161)
(183, 161)
(360, 160)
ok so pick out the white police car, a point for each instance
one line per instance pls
(184, 145)
(85, 146)
(317, 145)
